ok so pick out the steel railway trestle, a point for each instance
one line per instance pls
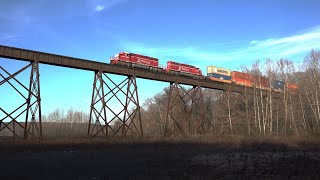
(104, 121)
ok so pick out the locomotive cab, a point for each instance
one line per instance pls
(121, 58)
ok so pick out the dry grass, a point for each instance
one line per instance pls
(229, 141)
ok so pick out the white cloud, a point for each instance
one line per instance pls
(99, 8)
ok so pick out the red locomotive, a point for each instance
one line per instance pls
(135, 60)
(183, 69)
(146, 62)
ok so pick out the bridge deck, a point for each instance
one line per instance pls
(71, 62)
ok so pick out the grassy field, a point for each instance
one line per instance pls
(151, 158)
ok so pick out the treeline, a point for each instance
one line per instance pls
(254, 112)
(71, 123)
(58, 123)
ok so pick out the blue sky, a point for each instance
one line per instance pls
(227, 33)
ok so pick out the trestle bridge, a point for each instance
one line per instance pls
(99, 125)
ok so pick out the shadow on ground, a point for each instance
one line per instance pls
(158, 160)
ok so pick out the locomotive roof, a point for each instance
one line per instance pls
(183, 64)
(140, 55)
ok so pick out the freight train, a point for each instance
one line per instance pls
(213, 73)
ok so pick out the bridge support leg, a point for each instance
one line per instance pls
(199, 112)
(185, 112)
(32, 127)
(115, 109)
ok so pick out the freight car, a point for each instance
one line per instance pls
(136, 60)
(261, 82)
(241, 78)
(246, 79)
(219, 74)
(183, 69)
(293, 88)
(277, 85)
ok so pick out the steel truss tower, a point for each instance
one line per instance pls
(107, 98)
(185, 113)
(31, 107)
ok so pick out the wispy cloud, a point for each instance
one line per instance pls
(291, 47)
(309, 35)
(22, 20)
(99, 8)
(35, 11)
(9, 38)
(100, 5)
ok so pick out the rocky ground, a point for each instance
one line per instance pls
(159, 160)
